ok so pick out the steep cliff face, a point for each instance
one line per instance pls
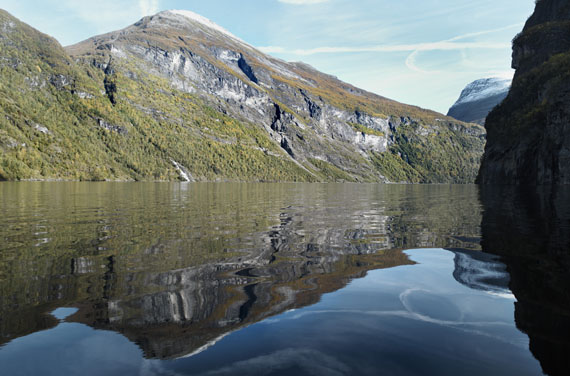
(175, 96)
(529, 132)
(479, 98)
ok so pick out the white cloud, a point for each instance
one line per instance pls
(308, 361)
(272, 49)
(302, 2)
(411, 62)
(444, 65)
(451, 44)
(148, 7)
(411, 59)
(432, 46)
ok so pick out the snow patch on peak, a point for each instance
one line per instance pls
(483, 88)
(204, 21)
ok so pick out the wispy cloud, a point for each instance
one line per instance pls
(432, 46)
(308, 361)
(272, 49)
(411, 59)
(302, 2)
(148, 7)
(445, 45)
(451, 44)
(485, 32)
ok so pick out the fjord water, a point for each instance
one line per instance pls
(331, 279)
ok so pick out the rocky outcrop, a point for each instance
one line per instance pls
(111, 127)
(478, 99)
(529, 132)
(186, 90)
(177, 87)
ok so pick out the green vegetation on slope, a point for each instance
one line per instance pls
(439, 156)
(47, 131)
(105, 118)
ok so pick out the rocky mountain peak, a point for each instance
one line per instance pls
(193, 18)
(188, 24)
(479, 98)
(176, 96)
(483, 88)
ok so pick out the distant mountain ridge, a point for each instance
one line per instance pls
(176, 97)
(479, 98)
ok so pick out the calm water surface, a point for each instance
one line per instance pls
(275, 279)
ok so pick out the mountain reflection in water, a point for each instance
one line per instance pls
(175, 268)
(530, 229)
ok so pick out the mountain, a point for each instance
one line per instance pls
(529, 132)
(176, 97)
(479, 98)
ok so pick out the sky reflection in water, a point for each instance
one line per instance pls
(401, 320)
(303, 279)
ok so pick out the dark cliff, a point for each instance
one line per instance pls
(528, 139)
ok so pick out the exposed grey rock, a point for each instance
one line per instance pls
(40, 128)
(282, 99)
(10, 62)
(60, 81)
(479, 98)
(35, 82)
(84, 95)
(8, 142)
(7, 27)
(111, 127)
(246, 69)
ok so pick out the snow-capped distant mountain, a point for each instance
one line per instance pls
(479, 98)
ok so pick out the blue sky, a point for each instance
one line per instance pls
(420, 52)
